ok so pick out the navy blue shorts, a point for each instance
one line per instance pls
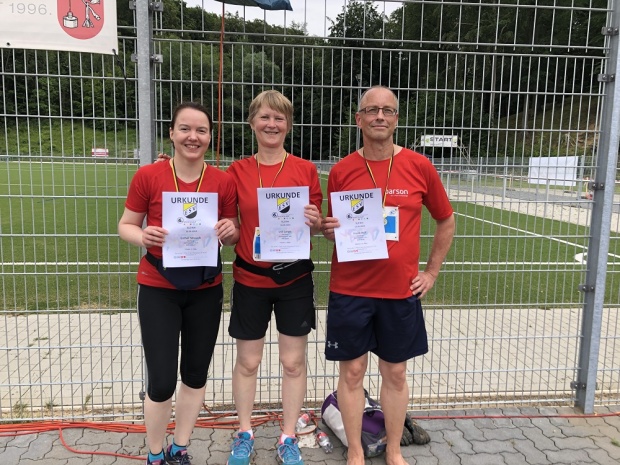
(293, 306)
(393, 329)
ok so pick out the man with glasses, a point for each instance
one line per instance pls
(374, 305)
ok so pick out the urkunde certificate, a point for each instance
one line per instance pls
(284, 234)
(361, 235)
(189, 218)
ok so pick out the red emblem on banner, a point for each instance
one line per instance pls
(81, 19)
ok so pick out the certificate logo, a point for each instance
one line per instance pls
(284, 205)
(357, 206)
(189, 210)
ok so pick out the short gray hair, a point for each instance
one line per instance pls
(359, 104)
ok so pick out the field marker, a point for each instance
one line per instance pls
(561, 241)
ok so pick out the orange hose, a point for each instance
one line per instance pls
(216, 422)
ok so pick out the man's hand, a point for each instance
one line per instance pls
(162, 157)
(422, 283)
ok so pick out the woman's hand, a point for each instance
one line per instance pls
(329, 224)
(153, 236)
(313, 217)
(227, 230)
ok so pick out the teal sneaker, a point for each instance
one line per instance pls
(288, 452)
(241, 450)
(156, 462)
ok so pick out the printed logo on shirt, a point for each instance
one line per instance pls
(403, 192)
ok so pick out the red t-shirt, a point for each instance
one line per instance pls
(145, 196)
(295, 172)
(413, 183)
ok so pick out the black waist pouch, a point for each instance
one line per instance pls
(281, 273)
(188, 277)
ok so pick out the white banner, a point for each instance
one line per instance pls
(430, 140)
(555, 171)
(68, 25)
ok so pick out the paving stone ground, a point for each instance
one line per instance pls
(512, 436)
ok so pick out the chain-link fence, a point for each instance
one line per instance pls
(514, 102)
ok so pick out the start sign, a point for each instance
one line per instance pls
(430, 140)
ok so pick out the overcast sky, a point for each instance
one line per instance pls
(311, 12)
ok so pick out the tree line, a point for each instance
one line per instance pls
(457, 67)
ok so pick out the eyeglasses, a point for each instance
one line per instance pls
(387, 111)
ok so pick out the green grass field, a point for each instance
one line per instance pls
(59, 248)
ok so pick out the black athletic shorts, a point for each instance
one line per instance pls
(293, 306)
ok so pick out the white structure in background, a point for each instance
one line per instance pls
(451, 142)
(99, 152)
(554, 171)
(431, 140)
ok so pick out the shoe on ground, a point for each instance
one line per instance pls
(180, 458)
(156, 462)
(288, 452)
(413, 433)
(241, 450)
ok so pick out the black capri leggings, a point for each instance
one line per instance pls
(163, 315)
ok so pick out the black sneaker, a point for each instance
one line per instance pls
(413, 433)
(180, 458)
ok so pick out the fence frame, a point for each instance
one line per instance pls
(588, 364)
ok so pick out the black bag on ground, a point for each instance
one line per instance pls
(188, 277)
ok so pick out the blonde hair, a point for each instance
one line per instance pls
(274, 100)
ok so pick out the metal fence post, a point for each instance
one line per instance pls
(603, 186)
(146, 90)
(146, 60)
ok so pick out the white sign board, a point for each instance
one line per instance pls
(555, 171)
(67, 25)
(99, 152)
(430, 140)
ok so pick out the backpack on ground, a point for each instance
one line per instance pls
(373, 426)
